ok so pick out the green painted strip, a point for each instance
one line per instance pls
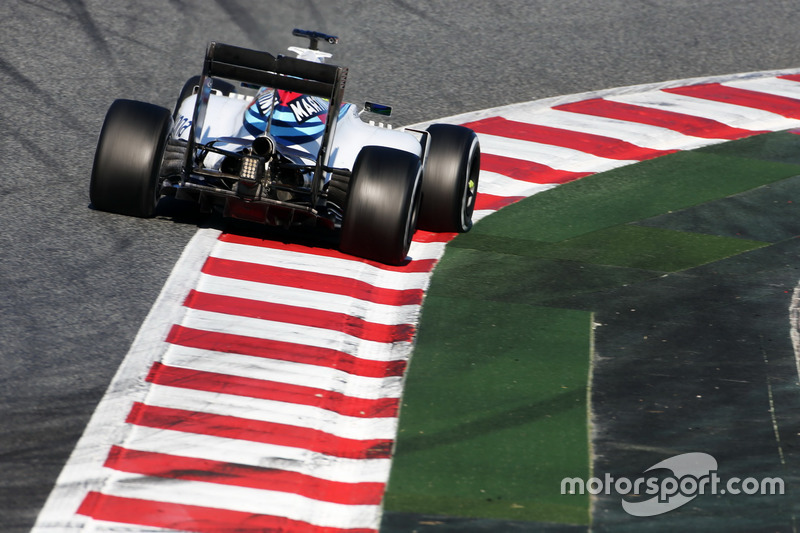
(631, 193)
(494, 413)
(484, 409)
(627, 246)
(473, 274)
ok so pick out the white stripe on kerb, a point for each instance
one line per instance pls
(321, 301)
(297, 334)
(732, 115)
(289, 414)
(643, 135)
(774, 86)
(243, 499)
(289, 372)
(258, 454)
(322, 265)
(499, 185)
(555, 157)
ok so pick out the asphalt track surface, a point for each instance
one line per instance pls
(77, 283)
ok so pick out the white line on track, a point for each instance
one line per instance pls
(83, 471)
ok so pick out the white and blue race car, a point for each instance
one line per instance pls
(268, 139)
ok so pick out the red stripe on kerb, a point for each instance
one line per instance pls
(589, 143)
(529, 171)
(494, 203)
(274, 275)
(192, 469)
(781, 105)
(423, 236)
(420, 265)
(233, 427)
(705, 128)
(790, 77)
(187, 378)
(284, 351)
(348, 324)
(192, 518)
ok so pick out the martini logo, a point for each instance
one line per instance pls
(306, 107)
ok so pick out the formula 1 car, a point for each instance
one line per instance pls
(268, 139)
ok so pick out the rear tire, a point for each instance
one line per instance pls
(450, 179)
(382, 205)
(127, 162)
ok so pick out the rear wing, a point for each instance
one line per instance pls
(282, 73)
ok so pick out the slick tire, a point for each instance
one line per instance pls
(127, 162)
(382, 205)
(450, 179)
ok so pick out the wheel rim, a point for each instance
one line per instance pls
(470, 186)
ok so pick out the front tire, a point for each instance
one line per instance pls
(450, 179)
(127, 162)
(382, 205)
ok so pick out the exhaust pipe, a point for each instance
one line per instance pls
(264, 146)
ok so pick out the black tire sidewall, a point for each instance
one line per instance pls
(382, 204)
(453, 153)
(127, 162)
